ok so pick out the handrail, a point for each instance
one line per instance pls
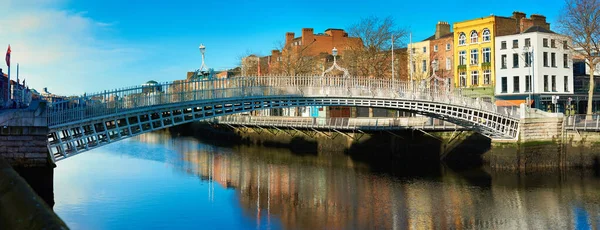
(129, 99)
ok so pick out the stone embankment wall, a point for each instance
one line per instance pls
(413, 145)
(544, 144)
(23, 137)
(541, 129)
(24, 146)
(20, 206)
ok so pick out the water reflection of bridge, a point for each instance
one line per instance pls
(335, 192)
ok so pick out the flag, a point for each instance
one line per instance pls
(8, 56)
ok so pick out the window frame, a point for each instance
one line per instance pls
(517, 86)
(487, 77)
(515, 61)
(545, 59)
(545, 42)
(474, 57)
(474, 37)
(435, 48)
(462, 39)
(448, 63)
(486, 35)
(546, 83)
(504, 61)
(553, 81)
(474, 78)
(515, 43)
(462, 78)
(462, 57)
(503, 85)
(566, 61)
(566, 84)
(487, 51)
(448, 46)
(527, 83)
(503, 45)
(424, 66)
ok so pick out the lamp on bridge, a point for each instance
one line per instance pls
(334, 53)
(203, 66)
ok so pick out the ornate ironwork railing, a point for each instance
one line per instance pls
(125, 100)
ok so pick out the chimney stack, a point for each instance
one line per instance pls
(540, 20)
(441, 29)
(518, 16)
(289, 36)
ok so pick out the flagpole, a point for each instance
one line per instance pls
(9, 86)
(392, 60)
(20, 90)
(8, 96)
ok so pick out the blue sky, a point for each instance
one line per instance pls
(75, 46)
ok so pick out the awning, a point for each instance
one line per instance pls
(511, 102)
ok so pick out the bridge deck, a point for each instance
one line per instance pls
(339, 123)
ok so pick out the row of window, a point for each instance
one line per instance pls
(485, 35)
(515, 43)
(474, 60)
(462, 76)
(528, 58)
(549, 86)
(424, 64)
(448, 47)
(424, 50)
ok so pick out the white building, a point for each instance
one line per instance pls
(551, 68)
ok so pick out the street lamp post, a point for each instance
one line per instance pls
(202, 50)
(531, 80)
(334, 52)
(434, 67)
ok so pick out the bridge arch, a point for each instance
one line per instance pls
(84, 123)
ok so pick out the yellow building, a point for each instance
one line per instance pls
(474, 50)
(418, 67)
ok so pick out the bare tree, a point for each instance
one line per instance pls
(374, 57)
(580, 19)
(294, 60)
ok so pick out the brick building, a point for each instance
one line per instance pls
(442, 46)
(301, 55)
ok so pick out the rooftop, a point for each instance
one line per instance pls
(538, 29)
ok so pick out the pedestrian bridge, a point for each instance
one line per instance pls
(93, 120)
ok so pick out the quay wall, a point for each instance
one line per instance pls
(21, 207)
(543, 144)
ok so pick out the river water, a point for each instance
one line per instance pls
(156, 181)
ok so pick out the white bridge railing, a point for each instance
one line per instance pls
(130, 99)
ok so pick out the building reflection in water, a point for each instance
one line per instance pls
(331, 191)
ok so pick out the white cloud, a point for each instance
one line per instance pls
(60, 49)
